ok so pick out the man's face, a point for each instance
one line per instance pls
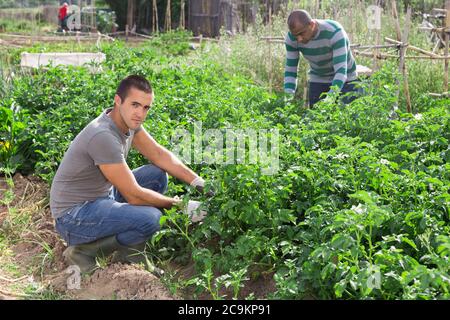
(134, 108)
(303, 33)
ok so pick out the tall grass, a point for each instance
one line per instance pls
(8, 25)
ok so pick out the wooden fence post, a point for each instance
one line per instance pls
(182, 15)
(130, 14)
(396, 21)
(155, 23)
(402, 66)
(168, 19)
(270, 50)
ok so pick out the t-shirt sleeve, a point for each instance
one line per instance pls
(291, 65)
(341, 51)
(105, 148)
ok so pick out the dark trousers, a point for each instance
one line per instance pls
(317, 88)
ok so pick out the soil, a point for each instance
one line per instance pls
(116, 281)
(3, 208)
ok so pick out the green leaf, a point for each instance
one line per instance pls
(409, 241)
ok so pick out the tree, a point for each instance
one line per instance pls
(120, 7)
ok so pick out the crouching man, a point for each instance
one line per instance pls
(100, 206)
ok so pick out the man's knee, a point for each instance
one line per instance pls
(164, 181)
(159, 175)
(150, 223)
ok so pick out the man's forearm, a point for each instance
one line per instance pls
(290, 77)
(291, 64)
(148, 197)
(173, 166)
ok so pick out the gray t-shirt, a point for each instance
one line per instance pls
(78, 178)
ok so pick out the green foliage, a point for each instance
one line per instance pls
(106, 21)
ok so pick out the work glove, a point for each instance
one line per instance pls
(192, 209)
(199, 184)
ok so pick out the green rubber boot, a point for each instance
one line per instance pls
(130, 254)
(84, 255)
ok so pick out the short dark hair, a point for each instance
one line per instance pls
(133, 81)
(301, 16)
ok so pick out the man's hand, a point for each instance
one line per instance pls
(208, 194)
(199, 184)
(332, 95)
(288, 98)
(178, 202)
(329, 99)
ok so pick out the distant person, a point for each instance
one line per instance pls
(62, 16)
(326, 47)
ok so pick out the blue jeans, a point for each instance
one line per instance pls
(317, 88)
(112, 215)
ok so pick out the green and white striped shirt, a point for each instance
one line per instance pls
(328, 54)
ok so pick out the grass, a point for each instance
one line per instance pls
(10, 270)
(43, 293)
(24, 20)
(25, 26)
(7, 265)
(18, 223)
(12, 11)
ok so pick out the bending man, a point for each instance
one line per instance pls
(326, 47)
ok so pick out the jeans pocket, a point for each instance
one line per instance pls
(73, 214)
